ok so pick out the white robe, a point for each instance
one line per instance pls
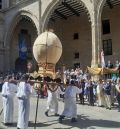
(100, 95)
(70, 107)
(8, 92)
(23, 94)
(52, 101)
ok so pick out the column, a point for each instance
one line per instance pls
(5, 4)
(96, 41)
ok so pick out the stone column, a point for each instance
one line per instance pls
(5, 4)
(99, 40)
(94, 62)
(96, 40)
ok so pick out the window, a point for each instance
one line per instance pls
(77, 65)
(0, 4)
(107, 47)
(76, 56)
(76, 36)
(106, 26)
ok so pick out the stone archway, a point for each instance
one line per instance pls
(101, 4)
(16, 19)
(62, 33)
(25, 31)
(52, 6)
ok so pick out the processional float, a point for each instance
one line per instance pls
(101, 71)
(47, 50)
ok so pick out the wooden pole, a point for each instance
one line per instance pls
(36, 110)
(1, 111)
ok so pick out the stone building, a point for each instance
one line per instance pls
(83, 26)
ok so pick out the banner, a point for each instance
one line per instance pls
(22, 47)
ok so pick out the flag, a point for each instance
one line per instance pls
(102, 59)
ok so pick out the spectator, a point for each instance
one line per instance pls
(81, 95)
(90, 94)
(109, 65)
(107, 93)
(118, 93)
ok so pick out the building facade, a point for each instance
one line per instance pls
(83, 26)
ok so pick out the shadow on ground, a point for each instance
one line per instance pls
(2, 128)
(32, 124)
(84, 122)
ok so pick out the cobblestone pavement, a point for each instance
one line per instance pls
(88, 117)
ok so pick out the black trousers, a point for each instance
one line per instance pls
(91, 99)
(81, 98)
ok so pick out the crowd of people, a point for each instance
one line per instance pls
(74, 85)
(79, 86)
(92, 91)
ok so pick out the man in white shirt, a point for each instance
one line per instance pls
(52, 101)
(23, 94)
(8, 92)
(70, 108)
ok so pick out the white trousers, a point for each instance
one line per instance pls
(70, 108)
(8, 109)
(108, 100)
(23, 113)
(52, 102)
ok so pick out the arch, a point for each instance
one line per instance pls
(52, 6)
(100, 8)
(16, 20)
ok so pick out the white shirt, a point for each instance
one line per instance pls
(24, 90)
(9, 89)
(71, 91)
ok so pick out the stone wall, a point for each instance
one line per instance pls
(65, 30)
(114, 16)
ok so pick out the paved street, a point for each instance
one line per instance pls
(88, 117)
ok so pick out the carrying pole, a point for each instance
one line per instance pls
(1, 111)
(36, 110)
